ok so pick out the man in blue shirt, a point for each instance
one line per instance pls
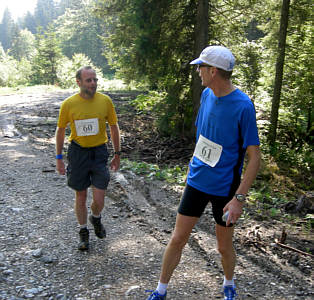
(226, 130)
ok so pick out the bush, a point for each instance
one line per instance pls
(8, 71)
(67, 68)
(148, 102)
(24, 69)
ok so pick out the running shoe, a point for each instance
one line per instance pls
(229, 292)
(98, 227)
(84, 239)
(156, 296)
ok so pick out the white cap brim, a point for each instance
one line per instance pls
(197, 61)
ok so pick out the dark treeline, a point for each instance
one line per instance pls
(149, 44)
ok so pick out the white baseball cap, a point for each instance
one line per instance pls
(216, 56)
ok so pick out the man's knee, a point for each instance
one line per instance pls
(222, 250)
(81, 196)
(225, 249)
(178, 241)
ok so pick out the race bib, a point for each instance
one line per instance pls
(86, 127)
(207, 151)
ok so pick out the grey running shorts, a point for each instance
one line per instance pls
(87, 166)
(194, 202)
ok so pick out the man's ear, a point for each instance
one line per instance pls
(214, 71)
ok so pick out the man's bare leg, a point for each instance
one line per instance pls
(224, 236)
(173, 252)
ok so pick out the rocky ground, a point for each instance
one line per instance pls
(39, 233)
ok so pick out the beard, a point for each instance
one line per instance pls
(89, 91)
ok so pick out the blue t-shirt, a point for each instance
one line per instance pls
(230, 122)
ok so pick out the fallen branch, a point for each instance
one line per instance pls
(256, 244)
(293, 249)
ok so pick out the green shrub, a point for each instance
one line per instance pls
(67, 68)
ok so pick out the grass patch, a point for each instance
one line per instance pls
(175, 174)
(35, 89)
(105, 85)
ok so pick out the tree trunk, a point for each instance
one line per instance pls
(279, 71)
(201, 40)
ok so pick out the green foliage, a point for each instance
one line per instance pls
(78, 31)
(175, 174)
(7, 28)
(8, 70)
(45, 13)
(30, 90)
(24, 68)
(152, 42)
(297, 87)
(46, 59)
(309, 223)
(148, 102)
(13, 72)
(29, 23)
(67, 68)
(23, 45)
(248, 72)
(176, 112)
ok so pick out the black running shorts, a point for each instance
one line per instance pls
(194, 202)
(87, 166)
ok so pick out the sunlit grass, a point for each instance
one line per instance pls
(35, 89)
(112, 84)
(174, 174)
(105, 85)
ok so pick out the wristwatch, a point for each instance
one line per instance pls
(117, 153)
(240, 197)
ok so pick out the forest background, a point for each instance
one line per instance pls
(148, 45)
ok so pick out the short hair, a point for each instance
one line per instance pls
(78, 74)
(224, 74)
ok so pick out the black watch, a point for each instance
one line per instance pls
(240, 197)
(117, 153)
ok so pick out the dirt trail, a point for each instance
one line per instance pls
(39, 233)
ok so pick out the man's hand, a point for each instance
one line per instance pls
(115, 163)
(235, 209)
(60, 167)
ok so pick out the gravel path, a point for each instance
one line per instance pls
(39, 233)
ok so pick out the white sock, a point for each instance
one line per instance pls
(162, 288)
(83, 226)
(228, 282)
(97, 217)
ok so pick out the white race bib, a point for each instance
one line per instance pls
(207, 151)
(86, 127)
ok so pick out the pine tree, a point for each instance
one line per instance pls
(23, 45)
(47, 57)
(45, 13)
(29, 23)
(7, 28)
(79, 32)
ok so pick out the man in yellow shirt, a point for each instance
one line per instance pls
(87, 113)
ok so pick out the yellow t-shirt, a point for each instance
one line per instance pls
(87, 118)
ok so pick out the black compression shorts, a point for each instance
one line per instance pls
(194, 202)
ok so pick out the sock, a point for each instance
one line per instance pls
(83, 226)
(228, 282)
(162, 288)
(97, 217)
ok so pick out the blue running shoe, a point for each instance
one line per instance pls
(229, 292)
(156, 296)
